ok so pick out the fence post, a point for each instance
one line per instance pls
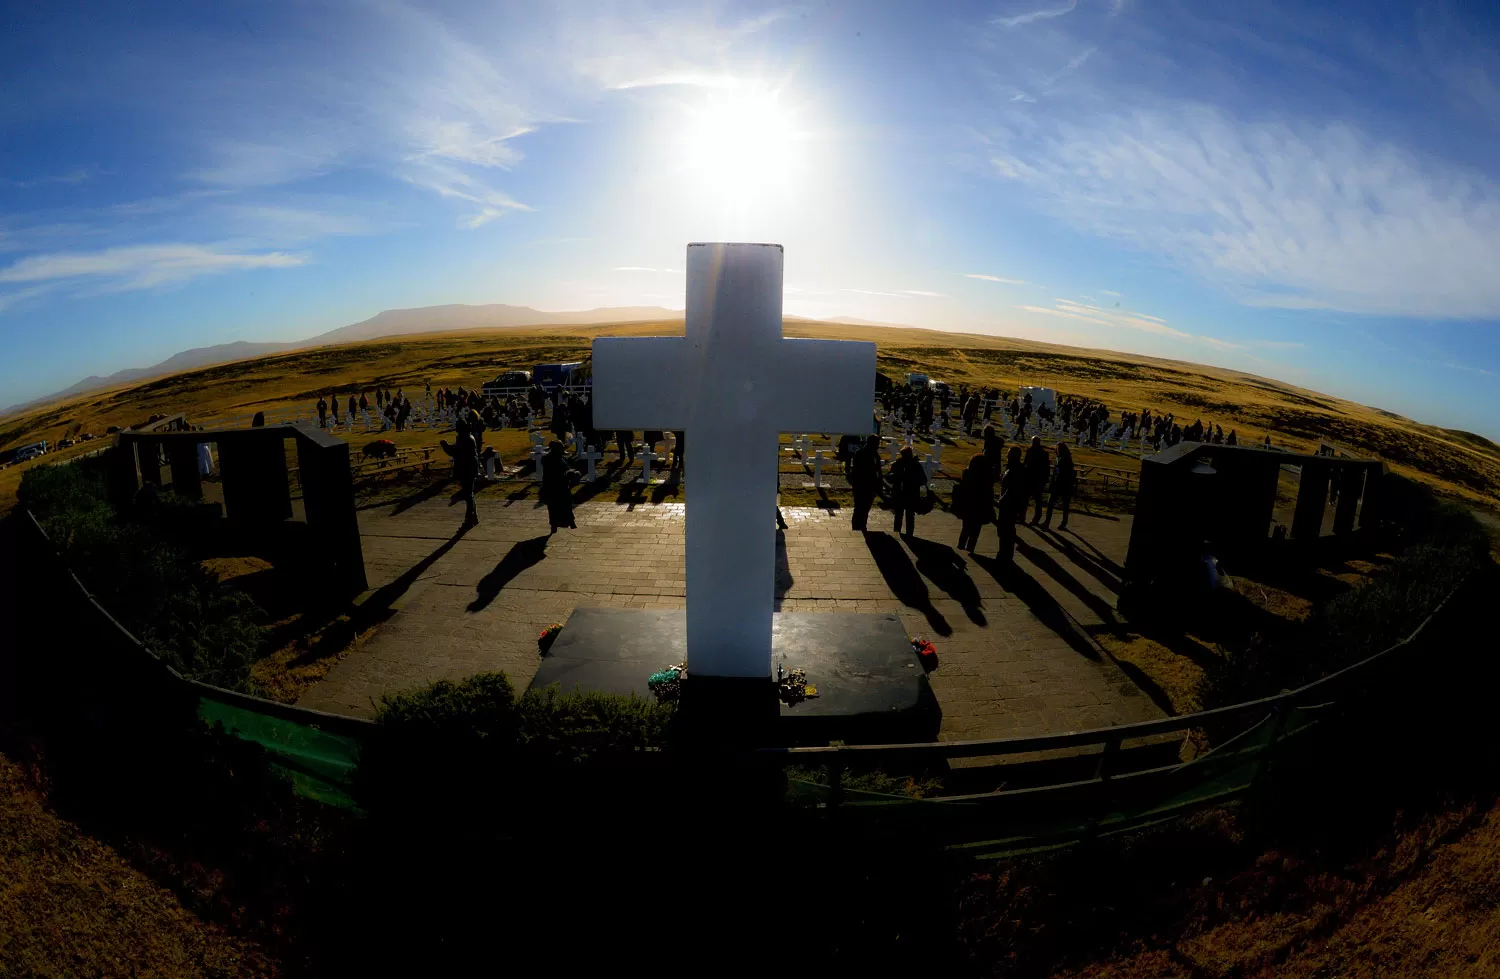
(1262, 785)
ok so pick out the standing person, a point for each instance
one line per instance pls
(466, 470)
(322, 412)
(1012, 506)
(351, 409)
(976, 494)
(907, 481)
(556, 492)
(1064, 482)
(625, 440)
(1037, 466)
(994, 451)
(864, 479)
(679, 449)
(561, 423)
(364, 403)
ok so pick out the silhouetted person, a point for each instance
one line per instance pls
(994, 451)
(466, 470)
(351, 409)
(1012, 504)
(976, 507)
(907, 481)
(1064, 482)
(322, 413)
(1231, 438)
(679, 449)
(561, 422)
(259, 421)
(556, 492)
(864, 479)
(625, 439)
(1037, 466)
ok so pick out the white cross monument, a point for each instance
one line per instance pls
(733, 384)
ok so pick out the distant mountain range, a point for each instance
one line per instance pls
(392, 322)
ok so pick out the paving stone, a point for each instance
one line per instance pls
(1014, 649)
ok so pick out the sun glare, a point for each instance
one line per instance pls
(742, 145)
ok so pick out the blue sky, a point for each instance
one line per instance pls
(1310, 192)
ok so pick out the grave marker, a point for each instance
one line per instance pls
(736, 383)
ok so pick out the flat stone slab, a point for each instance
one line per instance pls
(1016, 656)
(871, 686)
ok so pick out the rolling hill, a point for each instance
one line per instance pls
(391, 322)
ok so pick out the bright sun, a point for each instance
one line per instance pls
(741, 143)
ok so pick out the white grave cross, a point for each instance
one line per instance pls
(733, 384)
(591, 455)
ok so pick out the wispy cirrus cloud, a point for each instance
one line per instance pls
(1022, 17)
(1127, 320)
(455, 182)
(632, 268)
(994, 278)
(923, 292)
(630, 53)
(138, 266)
(1319, 217)
(73, 175)
(1469, 368)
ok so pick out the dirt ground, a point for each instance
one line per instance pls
(71, 906)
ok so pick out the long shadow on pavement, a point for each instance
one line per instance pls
(427, 493)
(942, 566)
(1100, 556)
(522, 555)
(1088, 563)
(1048, 564)
(1042, 605)
(784, 577)
(377, 606)
(903, 580)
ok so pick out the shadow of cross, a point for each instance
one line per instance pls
(732, 382)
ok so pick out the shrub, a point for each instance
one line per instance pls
(579, 726)
(168, 600)
(473, 747)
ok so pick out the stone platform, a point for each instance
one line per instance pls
(871, 686)
(1014, 646)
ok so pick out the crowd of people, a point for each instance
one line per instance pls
(996, 486)
(394, 409)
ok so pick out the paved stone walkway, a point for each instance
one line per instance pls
(1013, 658)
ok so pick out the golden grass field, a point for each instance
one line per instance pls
(1331, 934)
(1459, 464)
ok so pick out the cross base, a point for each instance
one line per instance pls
(871, 687)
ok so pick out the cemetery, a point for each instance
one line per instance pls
(713, 639)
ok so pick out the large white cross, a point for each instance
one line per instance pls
(733, 383)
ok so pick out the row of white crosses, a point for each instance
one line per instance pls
(736, 384)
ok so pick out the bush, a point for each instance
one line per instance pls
(168, 600)
(473, 747)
